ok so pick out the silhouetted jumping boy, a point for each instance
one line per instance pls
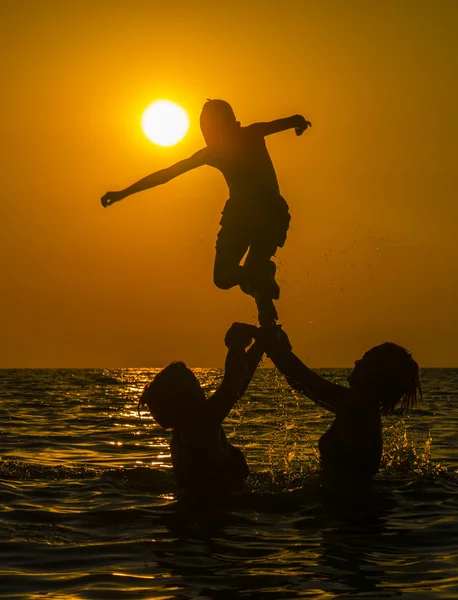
(256, 216)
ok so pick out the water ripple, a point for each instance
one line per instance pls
(90, 508)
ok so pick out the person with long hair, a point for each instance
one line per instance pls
(384, 380)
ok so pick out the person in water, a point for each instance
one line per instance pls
(202, 458)
(385, 378)
(256, 217)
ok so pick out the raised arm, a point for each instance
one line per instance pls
(296, 122)
(239, 369)
(158, 178)
(326, 394)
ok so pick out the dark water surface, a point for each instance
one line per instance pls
(89, 506)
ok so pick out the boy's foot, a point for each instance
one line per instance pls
(267, 313)
(263, 284)
(273, 285)
(249, 288)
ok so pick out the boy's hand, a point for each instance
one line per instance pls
(302, 125)
(111, 197)
(240, 335)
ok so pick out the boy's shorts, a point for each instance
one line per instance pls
(267, 224)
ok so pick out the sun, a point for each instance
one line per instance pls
(165, 123)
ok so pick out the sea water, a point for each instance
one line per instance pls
(89, 508)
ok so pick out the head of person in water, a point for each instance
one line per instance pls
(388, 374)
(217, 122)
(171, 394)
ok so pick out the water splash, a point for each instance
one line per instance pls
(406, 453)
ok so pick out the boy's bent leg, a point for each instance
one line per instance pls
(231, 247)
(267, 313)
(270, 234)
(260, 269)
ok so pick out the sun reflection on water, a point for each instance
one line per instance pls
(91, 504)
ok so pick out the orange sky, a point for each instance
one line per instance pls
(372, 252)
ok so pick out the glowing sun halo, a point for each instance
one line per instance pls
(165, 123)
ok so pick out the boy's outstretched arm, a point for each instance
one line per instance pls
(296, 122)
(240, 367)
(326, 394)
(158, 178)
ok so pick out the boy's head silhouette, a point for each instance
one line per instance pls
(217, 120)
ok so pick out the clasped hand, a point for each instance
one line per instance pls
(241, 335)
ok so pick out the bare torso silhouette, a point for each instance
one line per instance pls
(245, 164)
